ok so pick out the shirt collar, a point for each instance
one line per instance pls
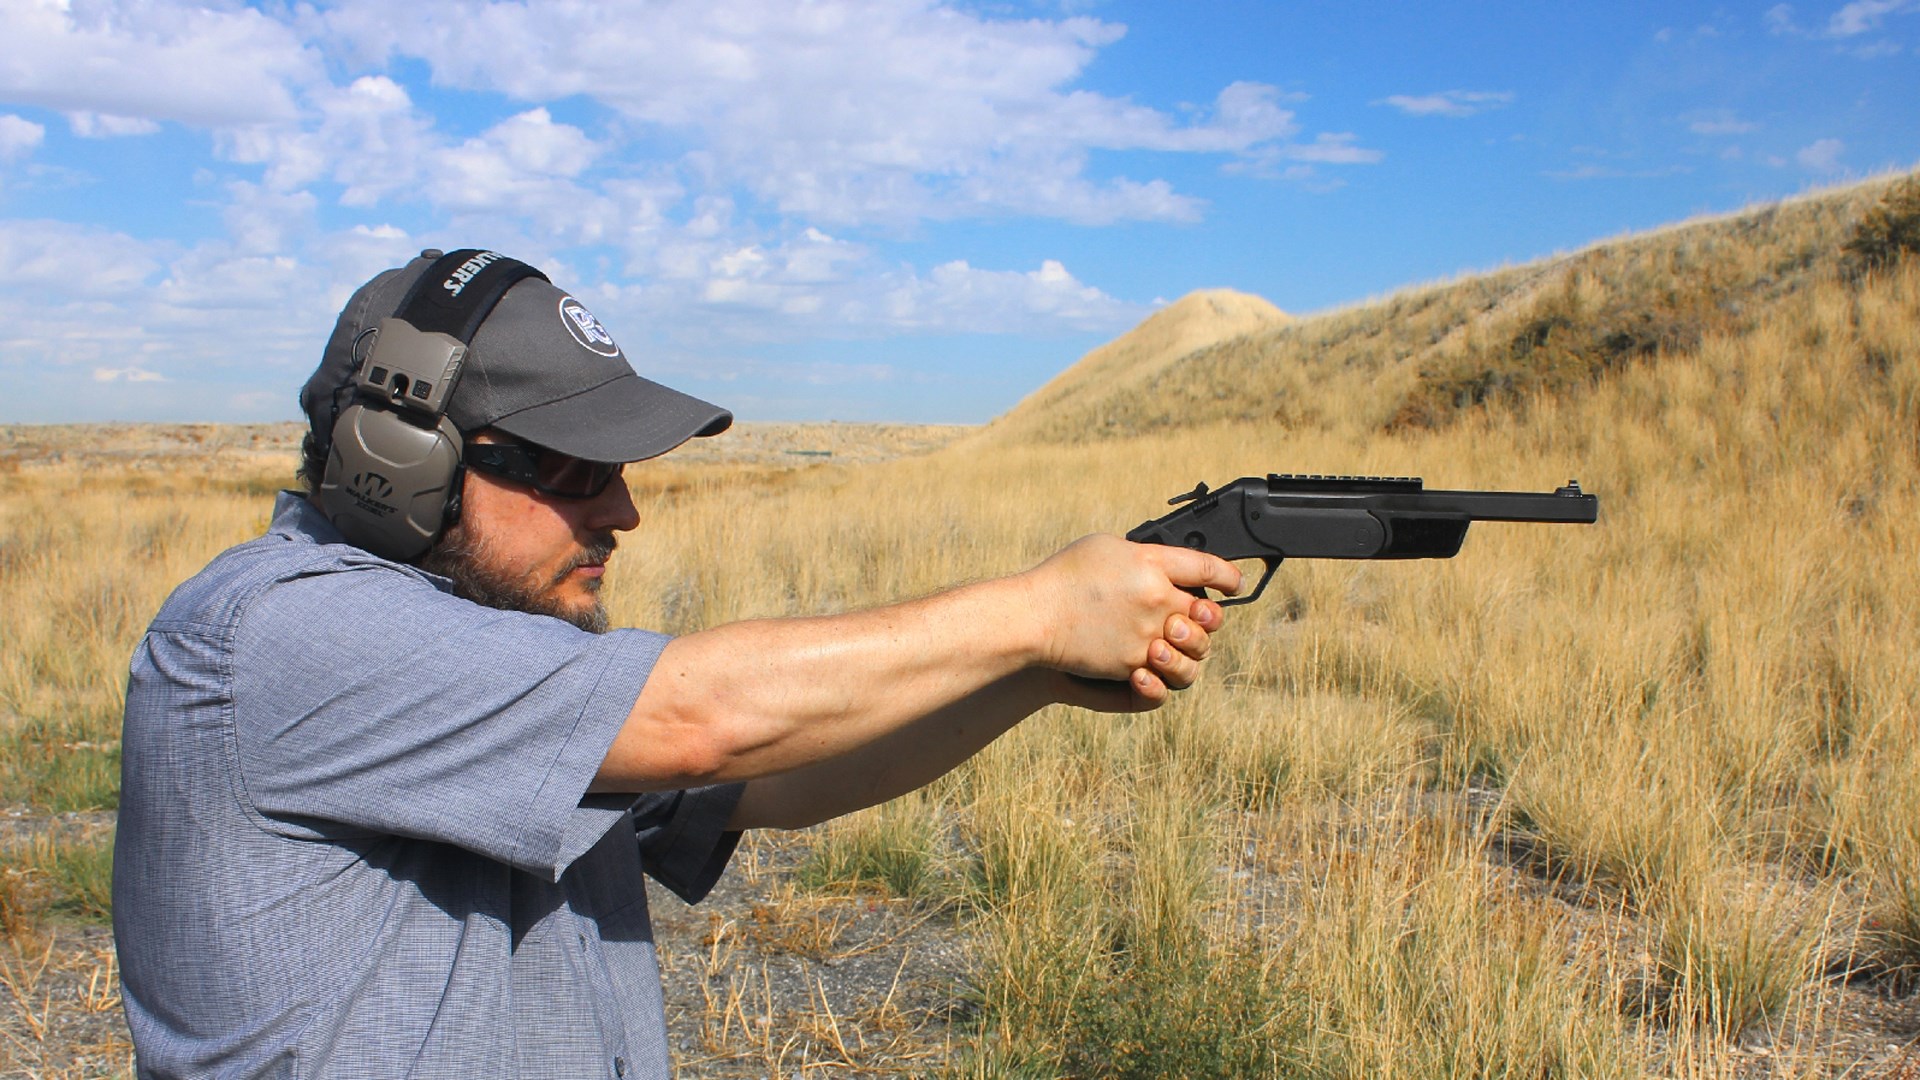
(296, 518)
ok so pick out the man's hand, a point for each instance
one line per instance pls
(1105, 625)
(1120, 619)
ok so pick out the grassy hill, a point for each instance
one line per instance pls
(1129, 367)
(1422, 355)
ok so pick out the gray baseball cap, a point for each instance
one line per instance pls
(541, 368)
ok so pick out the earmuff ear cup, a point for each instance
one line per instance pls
(393, 475)
(389, 481)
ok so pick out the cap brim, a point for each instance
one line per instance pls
(626, 419)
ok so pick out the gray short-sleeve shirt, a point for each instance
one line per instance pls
(355, 838)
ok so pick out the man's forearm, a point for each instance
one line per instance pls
(898, 762)
(758, 698)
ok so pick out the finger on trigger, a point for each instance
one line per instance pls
(1187, 568)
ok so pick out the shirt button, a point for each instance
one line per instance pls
(583, 941)
(619, 1066)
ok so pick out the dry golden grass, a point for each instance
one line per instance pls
(1694, 718)
(1589, 801)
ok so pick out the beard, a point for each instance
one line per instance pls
(466, 560)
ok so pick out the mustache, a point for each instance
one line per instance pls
(597, 551)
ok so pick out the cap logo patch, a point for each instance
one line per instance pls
(585, 328)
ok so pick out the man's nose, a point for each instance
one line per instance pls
(613, 508)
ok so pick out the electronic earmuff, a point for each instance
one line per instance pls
(392, 482)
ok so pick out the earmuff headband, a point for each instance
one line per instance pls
(458, 292)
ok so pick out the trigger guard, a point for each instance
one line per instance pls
(1273, 565)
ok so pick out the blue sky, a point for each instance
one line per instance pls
(859, 209)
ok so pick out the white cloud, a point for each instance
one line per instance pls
(42, 260)
(93, 125)
(70, 297)
(366, 136)
(1332, 149)
(719, 169)
(524, 166)
(841, 111)
(532, 143)
(194, 64)
(263, 221)
(1449, 103)
(1821, 155)
(1720, 122)
(1592, 171)
(1862, 16)
(19, 136)
(127, 374)
(704, 292)
(956, 296)
(1851, 20)
(516, 177)
(104, 308)
(1295, 162)
(1875, 50)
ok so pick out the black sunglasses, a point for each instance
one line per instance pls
(549, 472)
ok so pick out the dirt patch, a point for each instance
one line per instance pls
(765, 980)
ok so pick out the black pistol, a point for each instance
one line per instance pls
(1279, 517)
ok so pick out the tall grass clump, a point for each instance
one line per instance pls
(898, 848)
(1731, 953)
(1113, 957)
(1421, 961)
(1271, 749)
(65, 875)
(1889, 230)
(1867, 812)
(20, 899)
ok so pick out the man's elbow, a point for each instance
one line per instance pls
(667, 757)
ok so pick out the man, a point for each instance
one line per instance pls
(388, 815)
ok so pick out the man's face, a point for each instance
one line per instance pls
(521, 550)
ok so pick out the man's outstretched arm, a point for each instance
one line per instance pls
(761, 698)
(925, 749)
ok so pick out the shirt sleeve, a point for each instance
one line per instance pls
(684, 842)
(370, 699)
